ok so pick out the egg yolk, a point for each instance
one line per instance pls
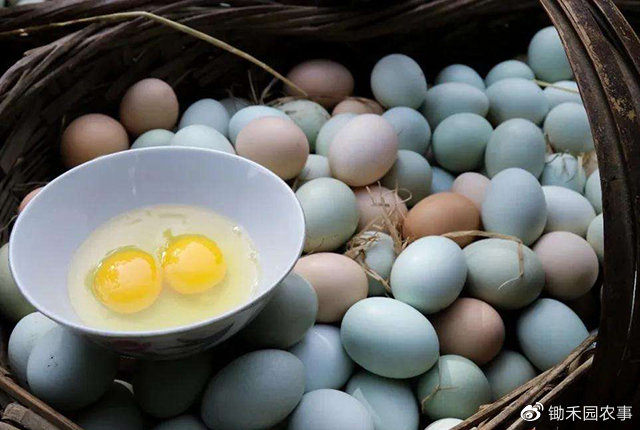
(127, 281)
(192, 264)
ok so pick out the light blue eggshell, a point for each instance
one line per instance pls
(330, 410)
(379, 256)
(567, 128)
(207, 112)
(291, 311)
(557, 95)
(514, 204)
(389, 338)
(508, 69)
(62, 359)
(329, 130)
(508, 371)
(516, 98)
(326, 364)
(595, 237)
(547, 57)
(567, 210)
(548, 331)
(593, 191)
(115, 410)
(390, 402)
(397, 80)
(183, 422)
(429, 274)
(414, 132)
(317, 166)
(515, 143)
(411, 172)
(307, 115)
(255, 391)
(447, 99)
(564, 170)
(330, 212)
(202, 136)
(22, 340)
(234, 104)
(441, 180)
(460, 140)
(494, 273)
(13, 305)
(246, 115)
(454, 388)
(444, 424)
(460, 73)
(167, 388)
(158, 137)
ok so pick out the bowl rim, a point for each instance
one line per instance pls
(169, 331)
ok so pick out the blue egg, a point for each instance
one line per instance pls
(460, 73)
(390, 402)
(234, 104)
(411, 172)
(397, 80)
(254, 391)
(207, 112)
(403, 345)
(450, 98)
(515, 143)
(508, 69)
(151, 138)
(593, 192)
(202, 136)
(317, 166)
(329, 130)
(378, 255)
(307, 115)
(460, 140)
(412, 128)
(567, 210)
(508, 371)
(22, 340)
(563, 170)
(441, 180)
(556, 94)
(115, 410)
(183, 422)
(547, 56)
(595, 237)
(514, 204)
(246, 115)
(548, 331)
(330, 410)
(326, 364)
(567, 128)
(516, 98)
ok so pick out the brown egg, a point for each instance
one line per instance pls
(325, 81)
(276, 143)
(27, 199)
(470, 328)
(473, 186)
(358, 105)
(442, 213)
(338, 280)
(373, 201)
(90, 136)
(147, 105)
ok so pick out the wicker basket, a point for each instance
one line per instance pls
(86, 67)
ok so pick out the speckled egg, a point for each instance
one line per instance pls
(556, 94)
(317, 166)
(403, 345)
(328, 131)
(508, 371)
(202, 136)
(494, 273)
(410, 172)
(473, 186)
(325, 81)
(441, 180)
(397, 80)
(307, 115)
(22, 340)
(567, 128)
(149, 104)
(234, 104)
(593, 192)
(152, 138)
(455, 388)
(330, 410)
(115, 410)
(460, 140)
(90, 136)
(363, 150)
(375, 203)
(515, 205)
(378, 256)
(595, 237)
(567, 210)
(447, 99)
(516, 98)
(183, 422)
(444, 424)
(59, 360)
(515, 143)
(429, 274)
(569, 262)
(413, 130)
(390, 402)
(254, 391)
(13, 305)
(508, 69)
(548, 331)
(338, 280)
(283, 322)
(564, 170)
(248, 114)
(326, 364)
(330, 211)
(547, 57)
(357, 106)
(207, 112)
(460, 73)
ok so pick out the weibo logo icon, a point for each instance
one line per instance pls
(532, 413)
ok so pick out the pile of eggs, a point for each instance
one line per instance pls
(454, 236)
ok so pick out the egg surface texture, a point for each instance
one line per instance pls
(460, 140)
(325, 81)
(375, 203)
(307, 115)
(152, 138)
(556, 94)
(90, 136)
(207, 112)
(397, 80)
(567, 128)
(508, 69)
(414, 132)
(328, 131)
(411, 172)
(450, 98)
(248, 114)
(547, 57)
(516, 98)
(567, 210)
(508, 371)
(515, 143)
(378, 255)
(330, 410)
(22, 340)
(460, 73)
(147, 105)
(564, 170)
(473, 186)
(357, 106)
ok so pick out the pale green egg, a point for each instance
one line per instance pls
(316, 166)
(151, 138)
(207, 112)
(397, 80)
(595, 237)
(330, 410)
(547, 56)
(593, 191)
(307, 115)
(244, 116)
(202, 136)
(22, 340)
(450, 98)
(115, 410)
(562, 92)
(564, 170)
(460, 140)
(183, 422)
(329, 130)
(412, 128)
(379, 256)
(234, 104)
(515, 143)
(411, 172)
(516, 98)
(441, 180)
(13, 305)
(567, 128)
(508, 371)
(508, 69)
(567, 210)
(460, 73)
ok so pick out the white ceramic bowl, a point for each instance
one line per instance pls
(67, 210)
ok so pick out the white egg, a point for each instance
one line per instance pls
(450, 98)
(151, 138)
(244, 116)
(508, 69)
(567, 210)
(460, 73)
(329, 130)
(13, 305)
(567, 128)
(307, 115)
(564, 170)
(22, 340)
(414, 132)
(516, 98)
(397, 80)
(515, 143)
(202, 136)
(410, 172)
(593, 191)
